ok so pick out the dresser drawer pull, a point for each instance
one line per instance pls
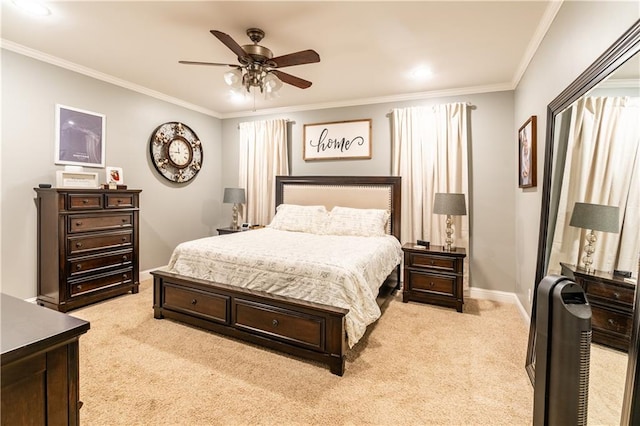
(124, 220)
(433, 262)
(611, 321)
(124, 239)
(85, 201)
(78, 245)
(124, 277)
(118, 201)
(78, 223)
(79, 266)
(275, 323)
(124, 258)
(616, 295)
(194, 301)
(79, 287)
(431, 284)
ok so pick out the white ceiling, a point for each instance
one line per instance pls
(367, 49)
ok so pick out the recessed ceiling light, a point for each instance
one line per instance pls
(421, 73)
(33, 7)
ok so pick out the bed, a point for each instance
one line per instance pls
(314, 307)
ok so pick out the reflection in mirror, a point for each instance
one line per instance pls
(592, 156)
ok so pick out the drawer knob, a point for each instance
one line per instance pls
(431, 284)
(611, 321)
(433, 263)
(275, 323)
(124, 239)
(124, 258)
(124, 220)
(616, 295)
(194, 301)
(85, 201)
(124, 276)
(78, 223)
(79, 287)
(78, 245)
(79, 266)
(118, 201)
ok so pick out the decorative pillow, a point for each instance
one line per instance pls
(357, 222)
(292, 217)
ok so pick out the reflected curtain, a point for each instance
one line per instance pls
(430, 154)
(601, 167)
(263, 156)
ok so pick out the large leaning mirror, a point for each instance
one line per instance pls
(601, 101)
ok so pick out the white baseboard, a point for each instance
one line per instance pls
(500, 296)
(146, 275)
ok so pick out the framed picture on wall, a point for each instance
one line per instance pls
(339, 140)
(527, 154)
(79, 137)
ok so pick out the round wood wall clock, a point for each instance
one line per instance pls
(176, 152)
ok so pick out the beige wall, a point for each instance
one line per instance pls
(580, 33)
(169, 213)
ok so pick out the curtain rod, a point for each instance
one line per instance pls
(469, 104)
(286, 119)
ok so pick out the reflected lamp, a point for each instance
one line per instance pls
(594, 217)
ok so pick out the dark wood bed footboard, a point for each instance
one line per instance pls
(304, 329)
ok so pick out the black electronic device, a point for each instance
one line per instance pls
(423, 243)
(44, 185)
(623, 274)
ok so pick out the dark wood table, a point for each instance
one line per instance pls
(40, 364)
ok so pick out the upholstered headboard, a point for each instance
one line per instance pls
(362, 192)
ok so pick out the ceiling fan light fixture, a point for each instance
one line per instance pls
(233, 78)
(272, 84)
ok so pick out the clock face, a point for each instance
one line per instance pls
(176, 152)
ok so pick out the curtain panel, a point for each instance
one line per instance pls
(263, 156)
(430, 145)
(601, 167)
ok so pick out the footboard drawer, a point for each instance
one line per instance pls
(290, 326)
(191, 301)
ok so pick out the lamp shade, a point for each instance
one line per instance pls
(596, 217)
(234, 195)
(449, 204)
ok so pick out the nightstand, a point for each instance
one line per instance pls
(433, 275)
(611, 299)
(228, 230)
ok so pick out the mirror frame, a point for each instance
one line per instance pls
(618, 53)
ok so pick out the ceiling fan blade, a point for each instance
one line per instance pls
(206, 63)
(292, 79)
(231, 44)
(298, 58)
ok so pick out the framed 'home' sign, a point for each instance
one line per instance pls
(339, 140)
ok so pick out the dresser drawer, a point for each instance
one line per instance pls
(613, 293)
(210, 306)
(92, 264)
(99, 222)
(290, 326)
(85, 201)
(432, 262)
(120, 201)
(432, 283)
(88, 243)
(120, 277)
(611, 321)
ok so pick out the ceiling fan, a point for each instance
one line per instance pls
(258, 68)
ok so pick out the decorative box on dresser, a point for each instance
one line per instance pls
(611, 299)
(87, 245)
(433, 275)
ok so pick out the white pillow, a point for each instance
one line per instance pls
(357, 222)
(292, 217)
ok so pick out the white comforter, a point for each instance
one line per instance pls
(341, 271)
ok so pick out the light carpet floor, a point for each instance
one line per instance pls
(418, 365)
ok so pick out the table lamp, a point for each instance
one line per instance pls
(594, 217)
(451, 205)
(235, 196)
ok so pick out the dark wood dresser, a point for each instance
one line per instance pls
(611, 299)
(40, 365)
(87, 245)
(433, 275)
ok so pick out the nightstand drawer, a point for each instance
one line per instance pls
(432, 283)
(432, 262)
(616, 322)
(619, 295)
